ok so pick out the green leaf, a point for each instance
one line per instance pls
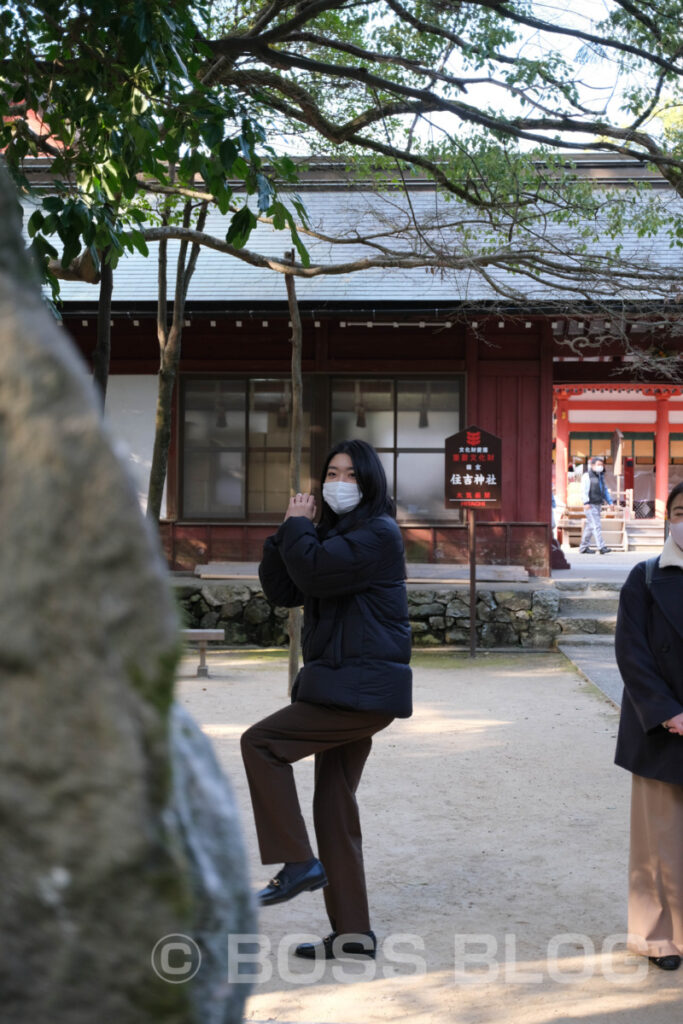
(212, 133)
(227, 152)
(139, 242)
(35, 223)
(241, 226)
(53, 204)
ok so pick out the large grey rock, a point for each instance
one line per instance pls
(94, 870)
(203, 813)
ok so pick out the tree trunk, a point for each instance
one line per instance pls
(102, 353)
(170, 341)
(294, 620)
(162, 433)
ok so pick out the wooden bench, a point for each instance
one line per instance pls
(202, 637)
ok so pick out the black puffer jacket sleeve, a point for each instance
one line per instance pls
(277, 584)
(343, 563)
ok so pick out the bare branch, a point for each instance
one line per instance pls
(394, 59)
(609, 42)
(517, 260)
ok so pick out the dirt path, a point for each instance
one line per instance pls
(496, 840)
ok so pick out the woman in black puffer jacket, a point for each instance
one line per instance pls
(349, 573)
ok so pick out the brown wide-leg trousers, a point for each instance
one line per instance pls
(341, 740)
(655, 900)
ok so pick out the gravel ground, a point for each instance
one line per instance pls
(496, 844)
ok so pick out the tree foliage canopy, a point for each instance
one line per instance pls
(485, 97)
(366, 72)
(113, 97)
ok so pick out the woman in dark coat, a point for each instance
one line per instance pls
(349, 573)
(649, 649)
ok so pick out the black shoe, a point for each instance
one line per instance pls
(585, 551)
(283, 887)
(605, 551)
(334, 945)
(666, 963)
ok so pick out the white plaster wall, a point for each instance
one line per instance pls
(130, 412)
(610, 415)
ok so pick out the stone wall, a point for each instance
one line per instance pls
(521, 617)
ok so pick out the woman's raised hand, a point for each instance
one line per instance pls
(301, 505)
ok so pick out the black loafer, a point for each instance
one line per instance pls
(666, 963)
(585, 551)
(334, 946)
(605, 551)
(282, 887)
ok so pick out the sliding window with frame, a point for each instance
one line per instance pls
(235, 448)
(407, 422)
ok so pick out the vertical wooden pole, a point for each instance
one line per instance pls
(472, 545)
(296, 436)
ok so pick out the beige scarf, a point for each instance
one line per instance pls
(671, 554)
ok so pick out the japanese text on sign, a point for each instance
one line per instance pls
(473, 469)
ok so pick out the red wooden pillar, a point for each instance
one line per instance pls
(662, 456)
(472, 368)
(561, 449)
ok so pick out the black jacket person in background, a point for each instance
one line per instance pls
(349, 574)
(649, 649)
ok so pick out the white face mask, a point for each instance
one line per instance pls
(676, 531)
(341, 497)
(598, 469)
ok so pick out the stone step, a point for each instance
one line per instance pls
(596, 623)
(647, 537)
(584, 640)
(589, 601)
(648, 528)
(586, 587)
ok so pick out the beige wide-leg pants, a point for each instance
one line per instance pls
(655, 901)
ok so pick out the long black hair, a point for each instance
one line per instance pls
(678, 489)
(371, 479)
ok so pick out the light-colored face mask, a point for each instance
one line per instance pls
(676, 531)
(341, 497)
(598, 468)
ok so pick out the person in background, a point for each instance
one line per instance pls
(594, 493)
(649, 650)
(349, 573)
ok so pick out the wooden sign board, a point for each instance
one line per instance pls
(473, 469)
